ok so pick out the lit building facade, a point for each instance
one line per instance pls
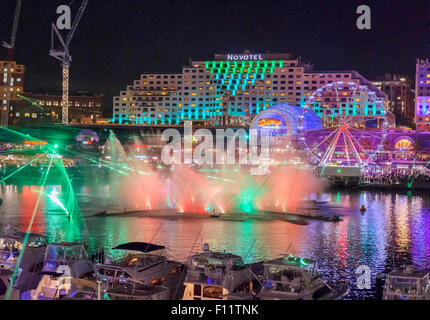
(422, 95)
(84, 108)
(170, 99)
(399, 91)
(11, 84)
(229, 90)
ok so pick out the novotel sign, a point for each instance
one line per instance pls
(245, 57)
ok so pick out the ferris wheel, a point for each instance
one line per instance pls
(355, 126)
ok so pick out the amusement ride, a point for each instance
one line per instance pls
(354, 127)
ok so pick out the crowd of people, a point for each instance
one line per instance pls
(398, 177)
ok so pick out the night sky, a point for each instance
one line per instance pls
(119, 39)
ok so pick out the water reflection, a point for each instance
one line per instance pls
(394, 229)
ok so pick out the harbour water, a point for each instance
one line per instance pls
(394, 229)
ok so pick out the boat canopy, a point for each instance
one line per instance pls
(139, 246)
(290, 261)
(65, 251)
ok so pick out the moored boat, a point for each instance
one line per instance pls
(5, 286)
(143, 263)
(407, 283)
(294, 278)
(63, 262)
(137, 291)
(31, 247)
(216, 276)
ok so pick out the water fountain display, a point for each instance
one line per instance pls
(203, 189)
(173, 206)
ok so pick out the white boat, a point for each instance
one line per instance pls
(68, 256)
(216, 276)
(407, 283)
(31, 247)
(63, 262)
(145, 264)
(5, 281)
(137, 291)
(293, 278)
(82, 289)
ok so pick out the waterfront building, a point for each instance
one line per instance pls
(11, 84)
(19, 107)
(422, 95)
(400, 93)
(229, 90)
(85, 108)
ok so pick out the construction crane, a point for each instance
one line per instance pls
(64, 56)
(11, 45)
(9, 56)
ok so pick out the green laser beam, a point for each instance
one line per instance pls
(54, 198)
(15, 151)
(22, 168)
(101, 161)
(72, 196)
(33, 102)
(98, 162)
(30, 225)
(220, 179)
(413, 178)
(26, 136)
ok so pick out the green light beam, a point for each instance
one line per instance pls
(26, 136)
(220, 179)
(72, 196)
(98, 162)
(33, 102)
(410, 184)
(30, 225)
(22, 168)
(54, 198)
(15, 151)
(101, 161)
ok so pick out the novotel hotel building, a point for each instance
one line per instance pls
(229, 90)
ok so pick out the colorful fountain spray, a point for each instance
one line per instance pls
(223, 189)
